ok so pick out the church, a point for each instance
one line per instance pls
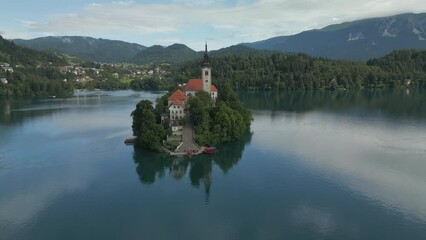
(177, 102)
(205, 83)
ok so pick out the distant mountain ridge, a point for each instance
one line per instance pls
(174, 53)
(112, 51)
(357, 40)
(99, 50)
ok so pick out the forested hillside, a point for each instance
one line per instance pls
(27, 72)
(302, 72)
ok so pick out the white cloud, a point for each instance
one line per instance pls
(258, 19)
(373, 159)
(167, 40)
(123, 3)
(10, 34)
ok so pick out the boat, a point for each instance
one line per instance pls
(209, 150)
(189, 153)
(130, 140)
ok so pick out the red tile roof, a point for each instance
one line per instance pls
(177, 102)
(194, 85)
(197, 85)
(178, 95)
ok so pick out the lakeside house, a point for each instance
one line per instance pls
(177, 102)
(7, 69)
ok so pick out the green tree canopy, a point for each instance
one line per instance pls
(149, 133)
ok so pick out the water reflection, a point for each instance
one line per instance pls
(317, 220)
(16, 110)
(391, 102)
(371, 143)
(153, 166)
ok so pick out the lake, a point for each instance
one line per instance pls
(316, 165)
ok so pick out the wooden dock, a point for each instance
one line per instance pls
(130, 140)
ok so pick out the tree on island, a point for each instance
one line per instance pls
(226, 121)
(149, 133)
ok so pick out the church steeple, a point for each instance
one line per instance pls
(206, 72)
(206, 57)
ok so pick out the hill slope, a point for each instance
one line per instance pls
(15, 55)
(27, 72)
(358, 40)
(100, 50)
(240, 50)
(175, 53)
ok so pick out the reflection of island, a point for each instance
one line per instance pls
(152, 166)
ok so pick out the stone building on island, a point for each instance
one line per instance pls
(176, 105)
(177, 102)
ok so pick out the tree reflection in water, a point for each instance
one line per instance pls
(153, 166)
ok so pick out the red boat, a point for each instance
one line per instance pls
(209, 150)
(189, 153)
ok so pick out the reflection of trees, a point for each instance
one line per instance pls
(152, 166)
(201, 172)
(393, 102)
(10, 117)
(149, 165)
(229, 155)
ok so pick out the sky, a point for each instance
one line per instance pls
(221, 23)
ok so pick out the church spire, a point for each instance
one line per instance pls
(206, 57)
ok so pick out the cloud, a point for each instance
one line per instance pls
(123, 3)
(10, 34)
(167, 40)
(365, 157)
(317, 219)
(256, 18)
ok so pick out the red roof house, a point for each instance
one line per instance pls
(178, 103)
(197, 85)
(177, 95)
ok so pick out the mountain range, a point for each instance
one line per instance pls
(112, 51)
(88, 48)
(357, 40)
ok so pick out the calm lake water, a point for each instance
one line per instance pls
(316, 165)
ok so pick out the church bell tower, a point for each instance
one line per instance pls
(206, 71)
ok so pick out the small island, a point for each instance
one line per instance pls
(191, 115)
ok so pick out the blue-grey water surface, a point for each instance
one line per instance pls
(316, 165)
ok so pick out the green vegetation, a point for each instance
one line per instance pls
(151, 83)
(172, 54)
(225, 121)
(149, 133)
(173, 142)
(302, 72)
(32, 73)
